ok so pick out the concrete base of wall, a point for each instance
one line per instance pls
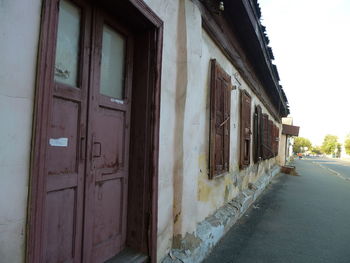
(196, 246)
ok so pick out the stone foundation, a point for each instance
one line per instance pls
(194, 247)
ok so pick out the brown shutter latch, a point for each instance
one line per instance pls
(224, 121)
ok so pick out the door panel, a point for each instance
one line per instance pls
(65, 149)
(87, 148)
(110, 135)
(64, 180)
(107, 219)
(61, 225)
(109, 121)
(64, 132)
(110, 183)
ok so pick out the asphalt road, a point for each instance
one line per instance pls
(299, 219)
(338, 167)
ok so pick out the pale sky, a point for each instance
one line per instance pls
(310, 40)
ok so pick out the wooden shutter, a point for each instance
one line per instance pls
(270, 138)
(220, 105)
(245, 136)
(257, 135)
(264, 132)
(273, 140)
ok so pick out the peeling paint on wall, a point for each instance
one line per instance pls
(195, 246)
(203, 186)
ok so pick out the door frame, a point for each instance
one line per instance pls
(41, 119)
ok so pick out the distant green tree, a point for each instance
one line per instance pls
(338, 152)
(300, 145)
(330, 144)
(347, 144)
(316, 150)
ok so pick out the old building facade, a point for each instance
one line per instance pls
(289, 132)
(134, 127)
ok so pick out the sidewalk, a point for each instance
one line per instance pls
(299, 219)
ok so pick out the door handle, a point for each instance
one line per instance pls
(96, 151)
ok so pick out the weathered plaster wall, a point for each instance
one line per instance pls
(186, 196)
(192, 121)
(286, 142)
(212, 194)
(287, 120)
(19, 33)
(283, 150)
(289, 151)
(171, 116)
(194, 196)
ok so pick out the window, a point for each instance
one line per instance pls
(264, 132)
(220, 101)
(276, 140)
(112, 63)
(67, 48)
(270, 139)
(257, 135)
(266, 136)
(245, 137)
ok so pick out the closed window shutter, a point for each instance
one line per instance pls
(245, 136)
(264, 129)
(227, 89)
(273, 140)
(257, 134)
(260, 132)
(220, 100)
(270, 138)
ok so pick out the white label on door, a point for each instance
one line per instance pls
(59, 142)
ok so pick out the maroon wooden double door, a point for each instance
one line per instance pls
(88, 78)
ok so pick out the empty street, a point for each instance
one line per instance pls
(303, 218)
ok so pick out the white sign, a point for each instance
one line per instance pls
(59, 142)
